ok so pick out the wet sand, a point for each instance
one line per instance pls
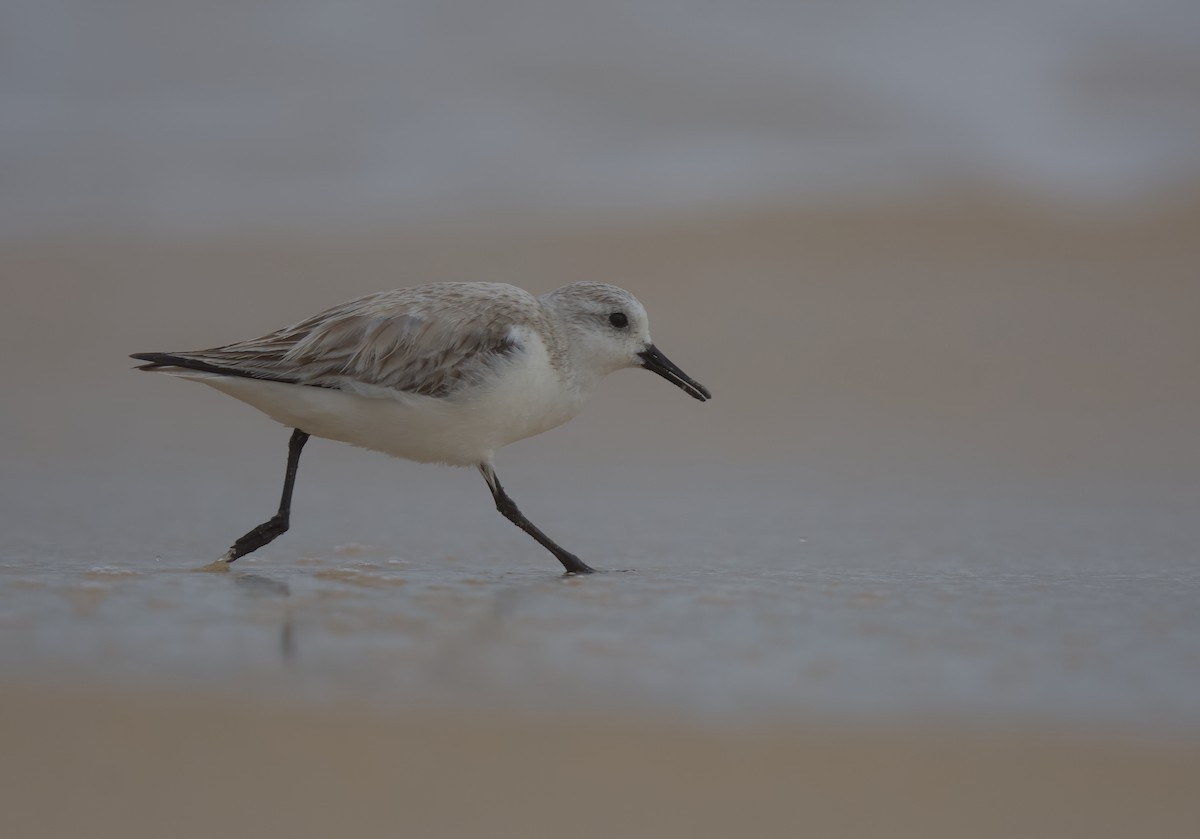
(148, 764)
(925, 565)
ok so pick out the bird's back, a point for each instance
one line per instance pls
(431, 340)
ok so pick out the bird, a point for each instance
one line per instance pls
(442, 373)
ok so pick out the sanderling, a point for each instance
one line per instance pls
(443, 373)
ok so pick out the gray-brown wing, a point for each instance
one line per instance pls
(428, 340)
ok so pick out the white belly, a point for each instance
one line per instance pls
(524, 399)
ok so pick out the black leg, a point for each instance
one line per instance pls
(509, 510)
(277, 525)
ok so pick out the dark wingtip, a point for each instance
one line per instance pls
(159, 360)
(152, 357)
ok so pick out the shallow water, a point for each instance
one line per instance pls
(761, 597)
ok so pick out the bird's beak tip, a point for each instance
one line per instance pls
(654, 361)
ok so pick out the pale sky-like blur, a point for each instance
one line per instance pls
(150, 116)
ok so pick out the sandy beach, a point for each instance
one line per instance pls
(925, 566)
(111, 764)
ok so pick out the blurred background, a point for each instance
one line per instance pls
(140, 117)
(886, 231)
(939, 263)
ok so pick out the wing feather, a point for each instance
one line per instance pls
(428, 340)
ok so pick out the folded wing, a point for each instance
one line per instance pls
(429, 340)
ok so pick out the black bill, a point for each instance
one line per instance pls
(655, 361)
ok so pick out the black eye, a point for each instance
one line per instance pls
(618, 320)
